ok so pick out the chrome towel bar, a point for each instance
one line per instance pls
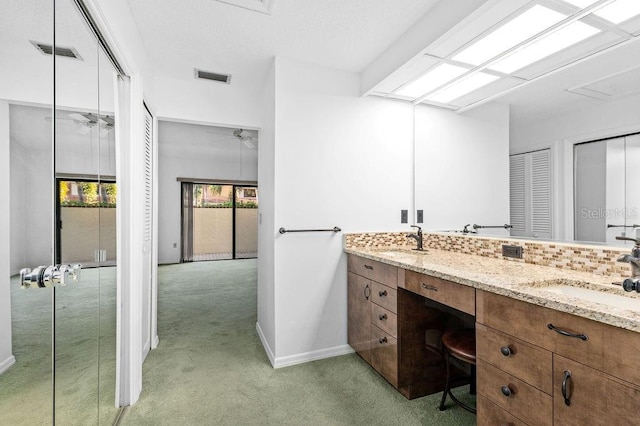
(334, 229)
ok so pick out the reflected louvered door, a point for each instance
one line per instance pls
(530, 194)
(517, 191)
(541, 194)
(147, 232)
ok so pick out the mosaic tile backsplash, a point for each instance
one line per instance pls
(572, 256)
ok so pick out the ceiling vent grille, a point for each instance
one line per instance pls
(213, 76)
(66, 52)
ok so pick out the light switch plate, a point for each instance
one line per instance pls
(420, 215)
(404, 216)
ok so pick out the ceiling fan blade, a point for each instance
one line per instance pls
(79, 117)
(83, 130)
(106, 120)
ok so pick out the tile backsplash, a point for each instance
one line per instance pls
(599, 260)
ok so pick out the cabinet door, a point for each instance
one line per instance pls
(595, 398)
(359, 315)
(384, 355)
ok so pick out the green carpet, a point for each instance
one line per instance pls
(85, 354)
(210, 368)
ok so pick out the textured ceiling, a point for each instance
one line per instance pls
(341, 34)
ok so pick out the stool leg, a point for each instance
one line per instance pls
(447, 384)
(472, 385)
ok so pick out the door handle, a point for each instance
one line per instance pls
(49, 276)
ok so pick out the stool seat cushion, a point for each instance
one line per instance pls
(461, 344)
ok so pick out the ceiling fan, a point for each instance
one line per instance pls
(247, 138)
(87, 121)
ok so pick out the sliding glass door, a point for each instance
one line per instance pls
(219, 221)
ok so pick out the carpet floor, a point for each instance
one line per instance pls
(85, 354)
(210, 367)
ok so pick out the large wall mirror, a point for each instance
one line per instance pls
(57, 343)
(574, 133)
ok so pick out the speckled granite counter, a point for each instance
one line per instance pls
(521, 281)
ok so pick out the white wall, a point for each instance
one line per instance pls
(266, 214)
(340, 160)
(192, 151)
(31, 198)
(462, 167)
(208, 102)
(6, 351)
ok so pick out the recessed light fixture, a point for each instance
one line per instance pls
(515, 31)
(616, 12)
(431, 80)
(462, 87)
(546, 46)
(581, 3)
(619, 11)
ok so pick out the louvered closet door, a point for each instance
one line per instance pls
(530, 194)
(148, 220)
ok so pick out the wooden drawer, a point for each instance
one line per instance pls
(596, 398)
(525, 361)
(376, 271)
(526, 403)
(607, 348)
(489, 414)
(384, 320)
(456, 295)
(384, 296)
(384, 355)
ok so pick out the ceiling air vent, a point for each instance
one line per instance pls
(214, 76)
(47, 49)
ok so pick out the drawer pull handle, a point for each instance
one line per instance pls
(382, 293)
(565, 392)
(367, 292)
(429, 287)
(566, 333)
(382, 317)
(506, 391)
(382, 340)
(506, 351)
(369, 267)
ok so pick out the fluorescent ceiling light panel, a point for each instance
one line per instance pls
(433, 79)
(619, 11)
(546, 46)
(462, 87)
(517, 30)
(581, 3)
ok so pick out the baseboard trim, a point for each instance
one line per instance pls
(287, 361)
(155, 342)
(265, 345)
(4, 365)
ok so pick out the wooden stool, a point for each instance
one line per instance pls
(461, 345)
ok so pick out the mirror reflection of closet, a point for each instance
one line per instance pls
(607, 202)
(60, 115)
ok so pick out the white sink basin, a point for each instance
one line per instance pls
(603, 295)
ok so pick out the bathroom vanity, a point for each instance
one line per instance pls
(554, 346)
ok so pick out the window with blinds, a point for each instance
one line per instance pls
(530, 194)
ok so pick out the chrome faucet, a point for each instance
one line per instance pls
(633, 259)
(417, 236)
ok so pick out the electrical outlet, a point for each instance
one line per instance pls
(175, 245)
(420, 216)
(404, 216)
(512, 251)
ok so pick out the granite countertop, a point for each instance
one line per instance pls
(522, 281)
